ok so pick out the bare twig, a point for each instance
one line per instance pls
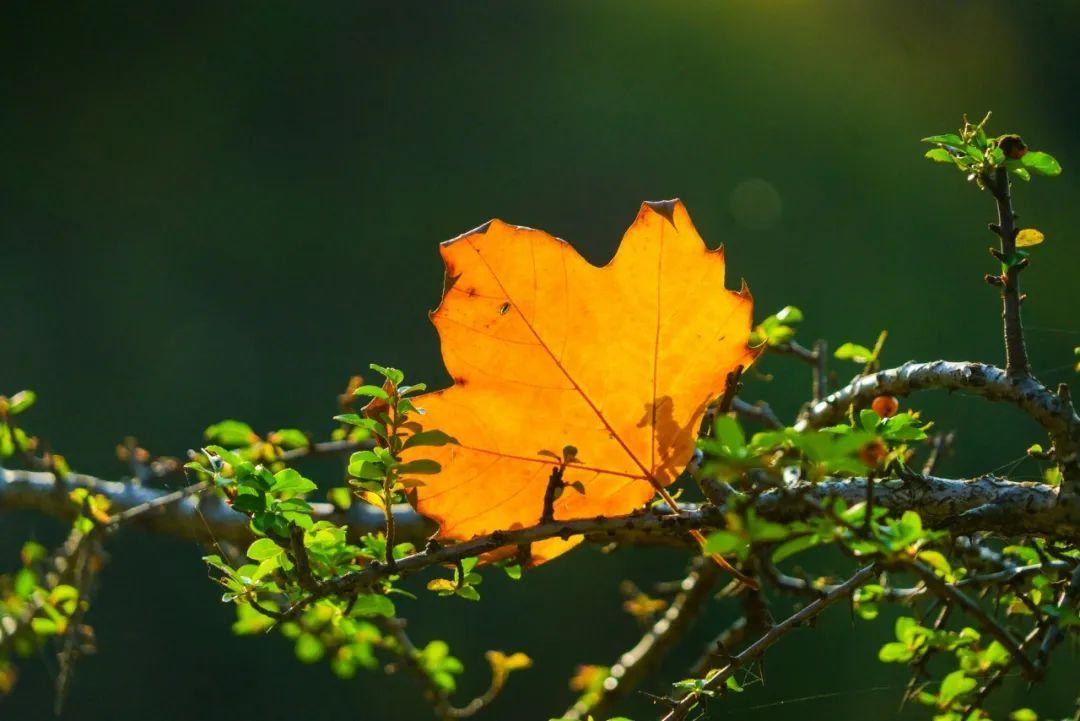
(951, 594)
(820, 384)
(760, 411)
(637, 663)
(939, 446)
(716, 680)
(1016, 359)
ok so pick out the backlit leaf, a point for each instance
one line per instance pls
(549, 351)
(1028, 237)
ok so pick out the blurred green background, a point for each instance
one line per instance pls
(213, 210)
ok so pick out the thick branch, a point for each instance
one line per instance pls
(1052, 411)
(1019, 508)
(196, 517)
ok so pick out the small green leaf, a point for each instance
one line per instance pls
(789, 314)
(373, 605)
(392, 374)
(854, 352)
(374, 391)
(940, 155)
(230, 433)
(945, 139)
(340, 496)
(1041, 163)
(895, 652)
(289, 480)
(798, 544)
(21, 401)
(262, 549)
(729, 433)
(309, 649)
(723, 542)
(954, 685)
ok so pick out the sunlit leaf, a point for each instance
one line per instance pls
(549, 351)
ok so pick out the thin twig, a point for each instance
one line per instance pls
(1016, 358)
(716, 680)
(637, 663)
(952, 594)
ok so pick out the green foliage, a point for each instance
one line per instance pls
(464, 582)
(287, 567)
(977, 155)
(869, 358)
(13, 439)
(778, 328)
(36, 609)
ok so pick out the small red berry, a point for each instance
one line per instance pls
(873, 453)
(885, 406)
(1013, 146)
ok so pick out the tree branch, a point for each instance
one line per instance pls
(774, 634)
(952, 595)
(637, 663)
(1016, 358)
(1021, 508)
(1053, 411)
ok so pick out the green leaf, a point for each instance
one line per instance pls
(468, 593)
(723, 542)
(367, 470)
(374, 391)
(1024, 714)
(868, 419)
(289, 480)
(945, 139)
(940, 155)
(309, 649)
(895, 652)
(373, 605)
(20, 402)
(290, 438)
(789, 314)
(787, 549)
(230, 433)
(1041, 163)
(974, 152)
(954, 685)
(854, 352)
(262, 549)
(729, 433)
(340, 496)
(393, 374)
(25, 582)
(44, 627)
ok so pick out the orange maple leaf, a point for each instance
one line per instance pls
(548, 351)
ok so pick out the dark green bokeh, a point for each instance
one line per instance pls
(213, 211)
